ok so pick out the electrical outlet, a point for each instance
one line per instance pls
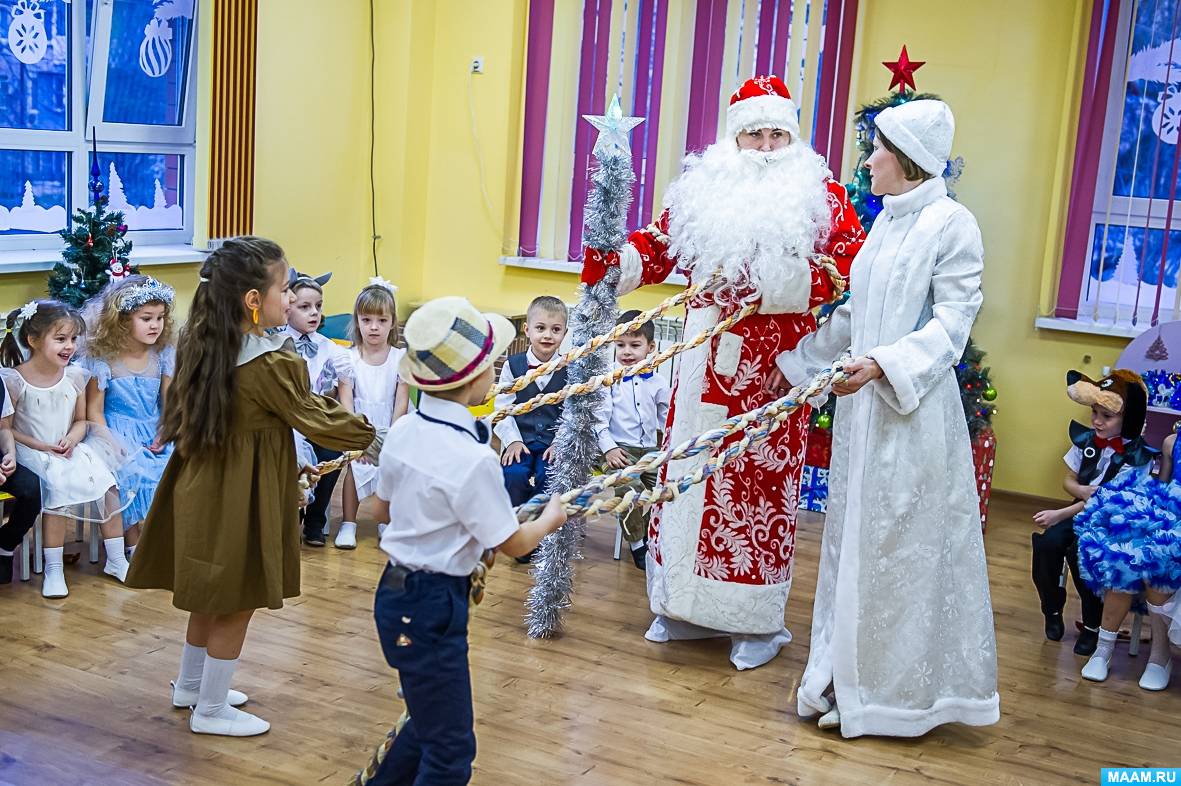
(477, 65)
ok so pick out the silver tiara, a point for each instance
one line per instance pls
(151, 291)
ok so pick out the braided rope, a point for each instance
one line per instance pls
(561, 361)
(612, 377)
(758, 424)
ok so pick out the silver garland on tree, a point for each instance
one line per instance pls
(576, 451)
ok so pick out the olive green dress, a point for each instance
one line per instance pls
(223, 529)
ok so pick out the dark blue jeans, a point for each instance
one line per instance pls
(531, 465)
(422, 624)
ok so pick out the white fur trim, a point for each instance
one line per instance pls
(729, 351)
(793, 296)
(674, 588)
(631, 270)
(921, 129)
(767, 111)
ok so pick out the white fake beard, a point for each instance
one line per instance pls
(756, 215)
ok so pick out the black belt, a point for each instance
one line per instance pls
(396, 577)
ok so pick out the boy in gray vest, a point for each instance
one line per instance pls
(527, 440)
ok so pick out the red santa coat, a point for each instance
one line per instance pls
(723, 550)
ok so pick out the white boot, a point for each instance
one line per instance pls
(664, 630)
(53, 580)
(346, 537)
(750, 652)
(830, 719)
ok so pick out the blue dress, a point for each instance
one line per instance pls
(132, 411)
(1129, 533)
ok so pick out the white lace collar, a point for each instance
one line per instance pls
(255, 346)
(916, 199)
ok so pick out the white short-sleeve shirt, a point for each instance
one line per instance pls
(445, 488)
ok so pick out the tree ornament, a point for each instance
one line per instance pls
(89, 242)
(1157, 351)
(26, 32)
(155, 51)
(824, 421)
(111, 230)
(903, 70)
(989, 394)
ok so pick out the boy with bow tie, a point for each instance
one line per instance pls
(634, 413)
(330, 372)
(1114, 443)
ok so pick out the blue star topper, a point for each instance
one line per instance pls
(613, 130)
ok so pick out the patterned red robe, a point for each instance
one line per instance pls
(723, 550)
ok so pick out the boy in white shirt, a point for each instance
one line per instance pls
(452, 505)
(634, 412)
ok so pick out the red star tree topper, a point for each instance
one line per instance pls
(903, 70)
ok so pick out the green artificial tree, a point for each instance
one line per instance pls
(976, 390)
(96, 248)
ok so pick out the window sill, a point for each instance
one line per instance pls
(29, 261)
(565, 266)
(1088, 328)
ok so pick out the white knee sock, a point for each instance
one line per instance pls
(1160, 654)
(215, 686)
(114, 547)
(1106, 644)
(192, 665)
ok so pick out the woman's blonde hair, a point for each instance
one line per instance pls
(374, 300)
(108, 314)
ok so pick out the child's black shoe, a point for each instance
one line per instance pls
(1054, 627)
(5, 568)
(640, 555)
(1088, 640)
(525, 560)
(314, 539)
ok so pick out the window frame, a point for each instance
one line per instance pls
(113, 137)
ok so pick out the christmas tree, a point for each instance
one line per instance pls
(96, 248)
(976, 390)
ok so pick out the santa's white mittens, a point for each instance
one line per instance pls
(921, 129)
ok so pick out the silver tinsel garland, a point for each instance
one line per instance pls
(576, 450)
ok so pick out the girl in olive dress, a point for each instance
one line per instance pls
(223, 530)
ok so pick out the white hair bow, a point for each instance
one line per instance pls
(389, 286)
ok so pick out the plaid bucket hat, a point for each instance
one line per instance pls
(449, 342)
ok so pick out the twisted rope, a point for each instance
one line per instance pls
(612, 377)
(561, 361)
(758, 424)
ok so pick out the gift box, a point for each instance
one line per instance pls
(984, 457)
(814, 488)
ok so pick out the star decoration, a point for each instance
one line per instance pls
(613, 130)
(903, 69)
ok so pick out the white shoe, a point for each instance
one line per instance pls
(117, 569)
(830, 719)
(188, 698)
(346, 538)
(1156, 677)
(1096, 669)
(53, 585)
(230, 723)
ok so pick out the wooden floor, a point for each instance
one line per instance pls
(85, 696)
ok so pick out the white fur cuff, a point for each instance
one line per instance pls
(631, 270)
(763, 112)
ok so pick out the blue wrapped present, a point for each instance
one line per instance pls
(814, 489)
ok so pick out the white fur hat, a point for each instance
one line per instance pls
(762, 102)
(921, 129)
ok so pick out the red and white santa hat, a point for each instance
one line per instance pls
(762, 102)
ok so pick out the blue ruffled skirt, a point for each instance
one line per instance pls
(1129, 535)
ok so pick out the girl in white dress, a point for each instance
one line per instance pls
(77, 470)
(378, 392)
